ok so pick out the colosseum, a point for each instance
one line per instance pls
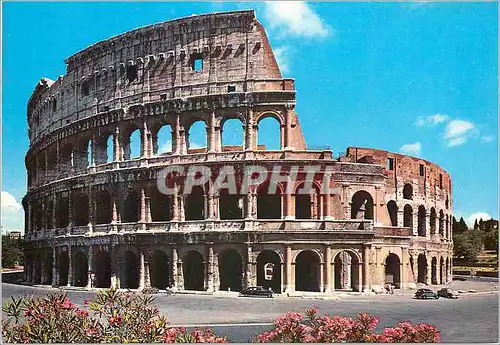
(95, 217)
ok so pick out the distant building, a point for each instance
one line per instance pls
(15, 235)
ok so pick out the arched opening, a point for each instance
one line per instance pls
(103, 207)
(162, 141)
(432, 221)
(392, 209)
(421, 221)
(408, 216)
(307, 271)
(89, 153)
(346, 271)
(49, 213)
(161, 206)
(48, 268)
(447, 224)
(422, 269)
(194, 204)
(393, 270)
(193, 269)
(67, 156)
(63, 268)
(159, 270)
(130, 212)
(80, 208)
(81, 269)
(38, 269)
(434, 271)
(196, 138)
(230, 205)
(268, 134)
(362, 205)
(108, 153)
(102, 270)
(441, 223)
(307, 203)
(441, 271)
(62, 214)
(232, 135)
(269, 270)
(408, 191)
(130, 271)
(366, 160)
(230, 270)
(134, 147)
(268, 205)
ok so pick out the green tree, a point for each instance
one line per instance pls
(468, 244)
(12, 253)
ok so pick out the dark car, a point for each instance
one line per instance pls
(256, 291)
(460, 278)
(426, 293)
(447, 293)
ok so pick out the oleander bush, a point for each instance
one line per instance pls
(316, 328)
(117, 317)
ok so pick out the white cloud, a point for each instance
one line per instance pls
(411, 149)
(296, 18)
(12, 213)
(478, 215)
(457, 128)
(431, 120)
(282, 55)
(456, 141)
(487, 138)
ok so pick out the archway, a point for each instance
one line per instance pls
(392, 209)
(81, 269)
(102, 270)
(232, 135)
(307, 203)
(63, 268)
(103, 207)
(194, 204)
(230, 270)
(80, 209)
(162, 140)
(422, 269)
(161, 206)
(362, 205)
(408, 216)
(48, 268)
(268, 205)
(196, 137)
(346, 271)
(393, 270)
(307, 271)
(408, 191)
(130, 212)
(432, 220)
(269, 270)
(421, 221)
(230, 205)
(441, 271)
(194, 271)
(159, 270)
(434, 271)
(268, 134)
(38, 269)
(130, 271)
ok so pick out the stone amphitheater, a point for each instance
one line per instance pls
(95, 217)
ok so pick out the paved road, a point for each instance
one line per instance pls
(472, 318)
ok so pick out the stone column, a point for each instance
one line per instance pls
(328, 207)
(28, 225)
(366, 268)
(210, 268)
(176, 135)
(115, 217)
(428, 278)
(91, 210)
(249, 131)
(210, 207)
(70, 209)
(250, 273)
(288, 126)
(117, 151)
(405, 262)
(89, 263)
(143, 209)
(400, 216)
(175, 278)
(289, 283)
(146, 141)
(55, 266)
(328, 264)
(141, 270)
(211, 132)
(175, 203)
(70, 267)
(288, 210)
(322, 276)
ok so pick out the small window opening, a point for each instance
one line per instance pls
(422, 170)
(390, 163)
(197, 64)
(163, 96)
(231, 88)
(54, 105)
(85, 88)
(440, 180)
(131, 73)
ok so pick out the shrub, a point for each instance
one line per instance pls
(117, 318)
(315, 328)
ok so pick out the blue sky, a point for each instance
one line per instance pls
(419, 78)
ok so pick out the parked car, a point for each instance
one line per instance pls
(447, 293)
(426, 293)
(256, 291)
(460, 278)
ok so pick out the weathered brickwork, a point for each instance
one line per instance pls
(95, 217)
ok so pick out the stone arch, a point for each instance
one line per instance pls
(194, 204)
(307, 203)
(193, 267)
(392, 209)
(131, 205)
(422, 268)
(196, 136)
(62, 214)
(367, 159)
(269, 206)
(230, 270)
(159, 269)
(163, 139)
(408, 191)
(434, 278)
(346, 270)
(421, 223)
(63, 261)
(441, 222)
(408, 216)
(103, 207)
(102, 269)
(230, 205)
(362, 205)
(232, 133)
(393, 270)
(269, 270)
(432, 220)
(81, 267)
(307, 271)
(161, 206)
(129, 270)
